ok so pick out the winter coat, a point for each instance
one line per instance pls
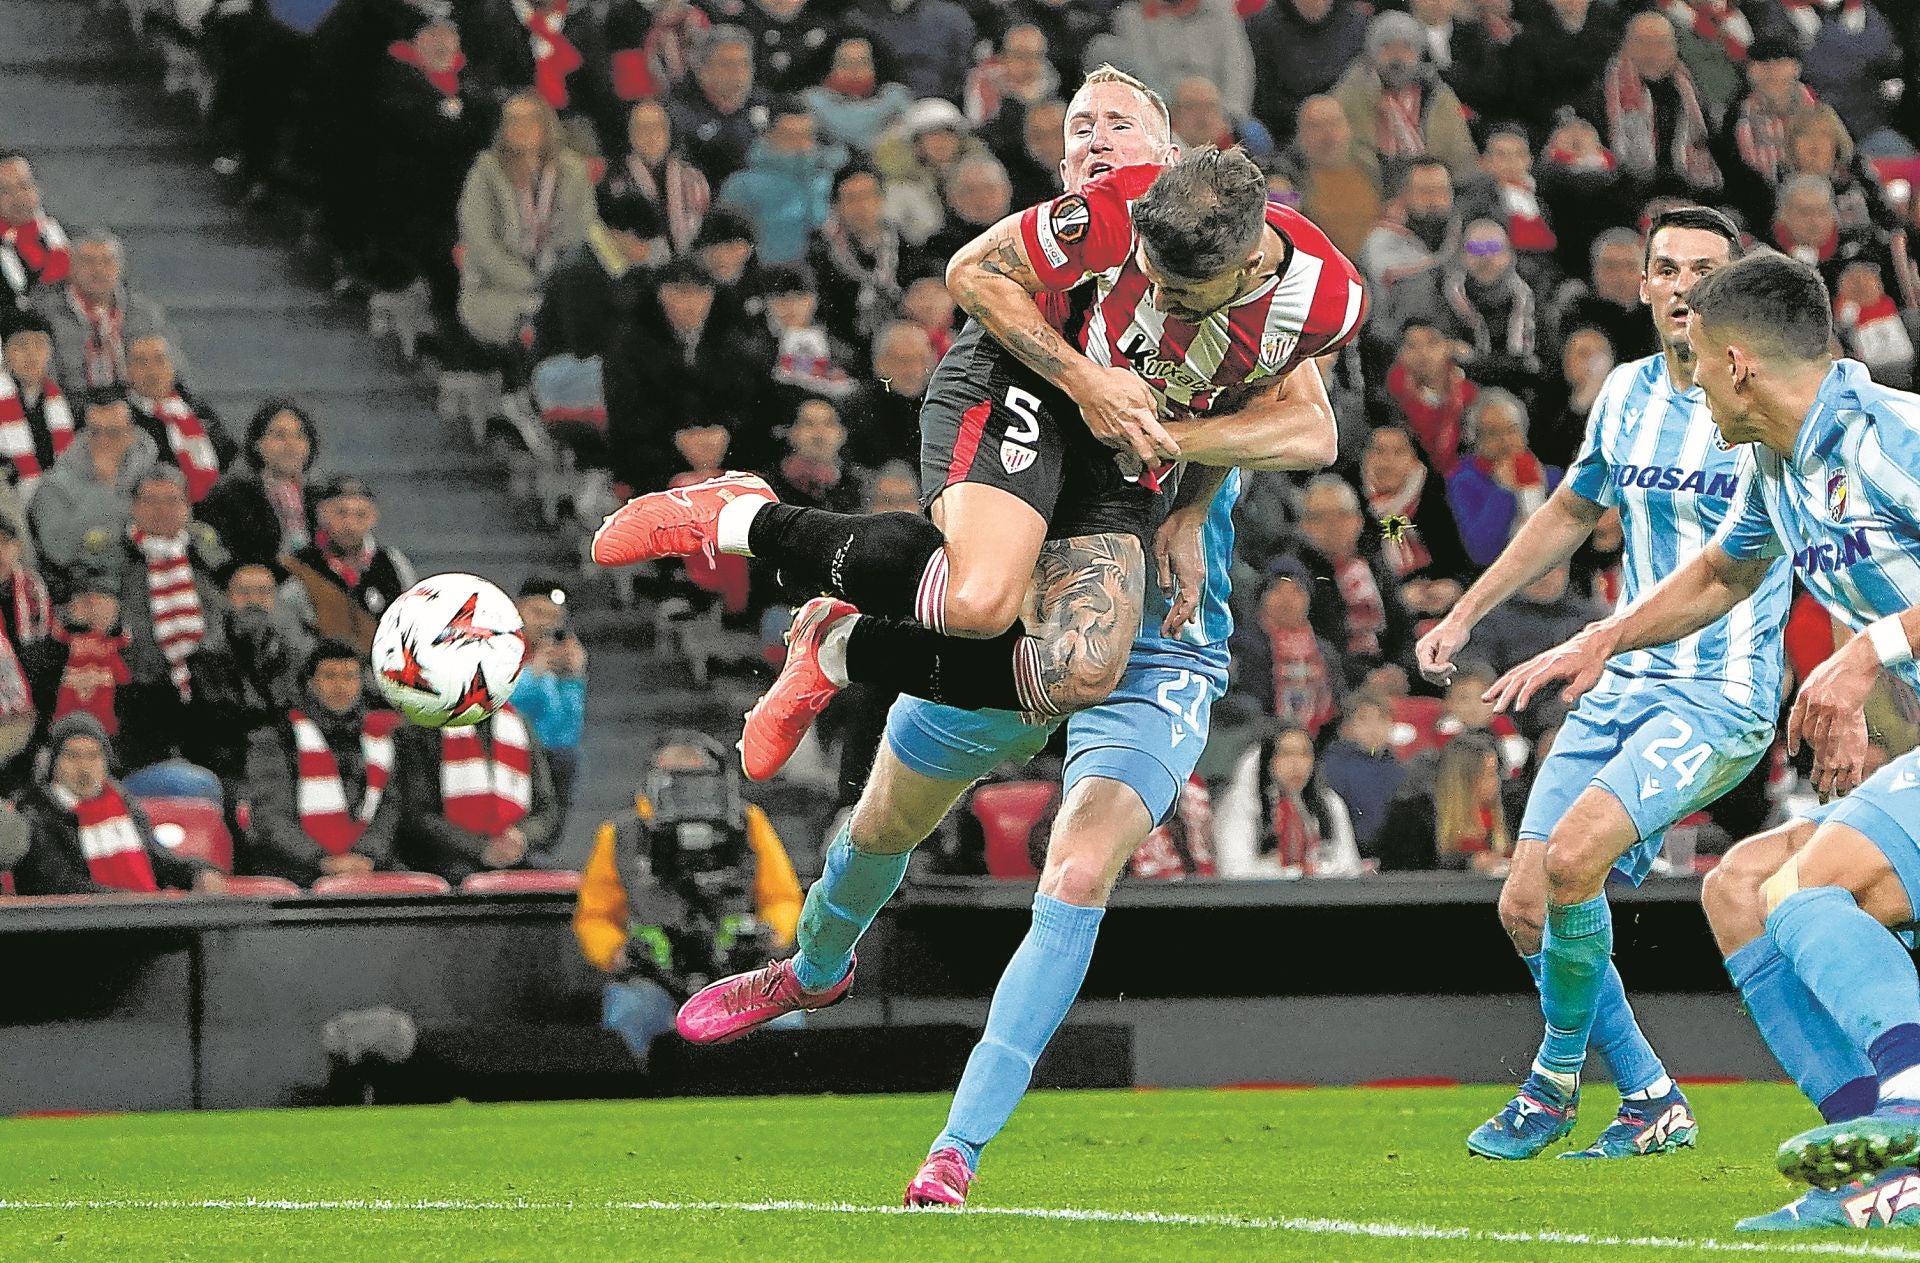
(276, 843)
(141, 317)
(786, 195)
(925, 44)
(1299, 58)
(70, 503)
(500, 287)
(1209, 42)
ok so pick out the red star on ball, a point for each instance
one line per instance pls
(477, 694)
(408, 674)
(461, 630)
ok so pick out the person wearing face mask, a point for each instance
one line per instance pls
(1419, 230)
(1396, 103)
(851, 105)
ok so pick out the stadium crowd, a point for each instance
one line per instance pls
(690, 237)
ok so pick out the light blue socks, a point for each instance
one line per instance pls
(839, 908)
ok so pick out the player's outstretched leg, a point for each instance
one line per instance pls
(1888, 1200)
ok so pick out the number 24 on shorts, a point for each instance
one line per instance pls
(1688, 765)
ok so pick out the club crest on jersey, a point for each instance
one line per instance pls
(1013, 457)
(1837, 496)
(1276, 350)
(1070, 218)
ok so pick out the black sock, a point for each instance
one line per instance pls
(970, 674)
(875, 560)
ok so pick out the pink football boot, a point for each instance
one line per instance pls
(739, 1005)
(941, 1181)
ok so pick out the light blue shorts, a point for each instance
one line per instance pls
(1664, 750)
(1147, 735)
(1887, 811)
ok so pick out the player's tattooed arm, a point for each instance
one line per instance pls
(1283, 423)
(992, 280)
(1087, 598)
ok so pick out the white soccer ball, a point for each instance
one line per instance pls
(448, 650)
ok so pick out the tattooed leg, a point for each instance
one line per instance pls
(1083, 609)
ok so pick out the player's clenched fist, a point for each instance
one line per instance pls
(1121, 411)
(1437, 649)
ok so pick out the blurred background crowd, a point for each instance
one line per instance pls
(635, 242)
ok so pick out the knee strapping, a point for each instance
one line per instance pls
(1775, 889)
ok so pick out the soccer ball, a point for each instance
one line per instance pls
(448, 650)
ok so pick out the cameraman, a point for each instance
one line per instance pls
(694, 885)
(551, 694)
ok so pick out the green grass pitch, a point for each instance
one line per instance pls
(1329, 1174)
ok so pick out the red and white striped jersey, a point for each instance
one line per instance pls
(1311, 307)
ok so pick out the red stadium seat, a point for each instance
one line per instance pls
(522, 882)
(1007, 813)
(192, 826)
(383, 884)
(262, 887)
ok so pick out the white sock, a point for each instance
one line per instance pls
(1904, 1086)
(1567, 1083)
(736, 517)
(1659, 1087)
(833, 649)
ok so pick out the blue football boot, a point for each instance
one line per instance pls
(1859, 1148)
(1889, 1200)
(1537, 1116)
(1643, 1128)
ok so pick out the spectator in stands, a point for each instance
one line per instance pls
(1871, 326)
(1403, 494)
(913, 161)
(1398, 107)
(1338, 191)
(33, 247)
(1480, 301)
(341, 582)
(1032, 159)
(1758, 128)
(1717, 39)
(434, 119)
(1586, 358)
(811, 471)
(1808, 228)
(1355, 602)
(976, 195)
(26, 617)
(654, 170)
(36, 425)
(89, 493)
(94, 316)
(1455, 821)
(928, 304)
(1277, 819)
(651, 45)
(1818, 144)
(1164, 43)
(243, 678)
(1200, 117)
(319, 778)
(1853, 62)
(671, 362)
(474, 798)
(1558, 57)
(692, 884)
(884, 420)
(1651, 116)
(527, 201)
(1468, 44)
(551, 693)
(183, 427)
(1068, 25)
(81, 667)
(1584, 191)
(719, 113)
(1301, 48)
(925, 44)
(794, 38)
(1540, 616)
(788, 348)
(863, 263)
(557, 49)
(1428, 393)
(851, 106)
(725, 251)
(601, 281)
(1018, 75)
(1295, 674)
(89, 836)
(1517, 206)
(259, 506)
(785, 186)
(1359, 765)
(1610, 300)
(1419, 228)
(1500, 484)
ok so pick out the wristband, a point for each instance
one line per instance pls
(1890, 641)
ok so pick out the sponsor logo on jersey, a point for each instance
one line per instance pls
(1837, 496)
(1826, 558)
(1013, 457)
(1674, 478)
(1171, 374)
(1069, 218)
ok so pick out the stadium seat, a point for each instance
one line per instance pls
(377, 884)
(262, 887)
(1007, 813)
(527, 882)
(191, 826)
(175, 778)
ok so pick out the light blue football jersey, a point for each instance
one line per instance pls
(1202, 640)
(1845, 506)
(1655, 454)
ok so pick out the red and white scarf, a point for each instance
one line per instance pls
(1527, 227)
(34, 253)
(1397, 131)
(1433, 416)
(681, 193)
(1302, 677)
(187, 440)
(116, 852)
(1366, 608)
(1718, 22)
(650, 71)
(321, 795)
(1631, 123)
(487, 792)
(1806, 16)
(1875, 334)
(1404, 550)
(348, 569)
(104, 358)
(554, 56)
(178, 624)
(1761, 132)
(16, 431)
(445, 82)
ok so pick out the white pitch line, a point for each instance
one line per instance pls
(1295, 1225)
